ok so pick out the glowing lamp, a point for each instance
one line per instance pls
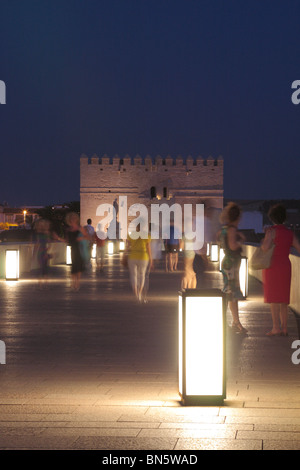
(214, 252)
(207, 249)
(222, 254)
(110, 248)
(12, 265)
(68, 255)
(202, 361)
(243, 274)
(122, 246)
(94, 248)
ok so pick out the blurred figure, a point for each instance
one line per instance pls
(231, 241)
(139, 256)
(172, 249)
(156, 250)
(200, 261)
(156, 245)
(100, 240)
(277, 278)
(43, 237)
(91, 238)
(189, 280)
(76, 235)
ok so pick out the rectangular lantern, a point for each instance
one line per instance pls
(12, 265)
(244, 276)
(222, 254)
(110, 248)
(68, 255)
(122, 246)
(94, 248)
(202, 348)
(214, 252)
(207, 249)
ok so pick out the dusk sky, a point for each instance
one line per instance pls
(178, 77)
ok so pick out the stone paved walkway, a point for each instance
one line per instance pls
(96, 370)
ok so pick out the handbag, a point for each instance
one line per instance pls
(262, 259)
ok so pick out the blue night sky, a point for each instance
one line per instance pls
(178, 77)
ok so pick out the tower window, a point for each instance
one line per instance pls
(152, 192)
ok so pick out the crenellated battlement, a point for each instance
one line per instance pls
(148, 161)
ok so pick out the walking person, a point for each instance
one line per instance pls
(76, 235)
(277, 278)
(188, 280)
(100, 241)
(172, 249)
(156, 245)
(139, 256)
(200, 261)
(231, 241)
(91, 236)
(43, 237)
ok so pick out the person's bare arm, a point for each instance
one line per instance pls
(296, 243)
(267, 241)
(234, 241)
(149, 254)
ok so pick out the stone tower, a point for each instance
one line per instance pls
(148, 180)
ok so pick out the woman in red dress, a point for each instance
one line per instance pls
(277, 278)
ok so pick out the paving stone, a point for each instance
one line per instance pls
(96, 370)
(218, 444)
(281, 445)
(118, 443)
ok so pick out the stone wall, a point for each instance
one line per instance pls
(146, 180)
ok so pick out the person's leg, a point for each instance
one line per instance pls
(133, 275)
(234, 308)
(170, 256)
(141, 273)
(76, 281)
(189, 274)
(167, 261)
(199, 268)
(275, 312)
(146, 283)
(233, 305)
(175, 260)
(284, 318)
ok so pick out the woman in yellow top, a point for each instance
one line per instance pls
(139, 257)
